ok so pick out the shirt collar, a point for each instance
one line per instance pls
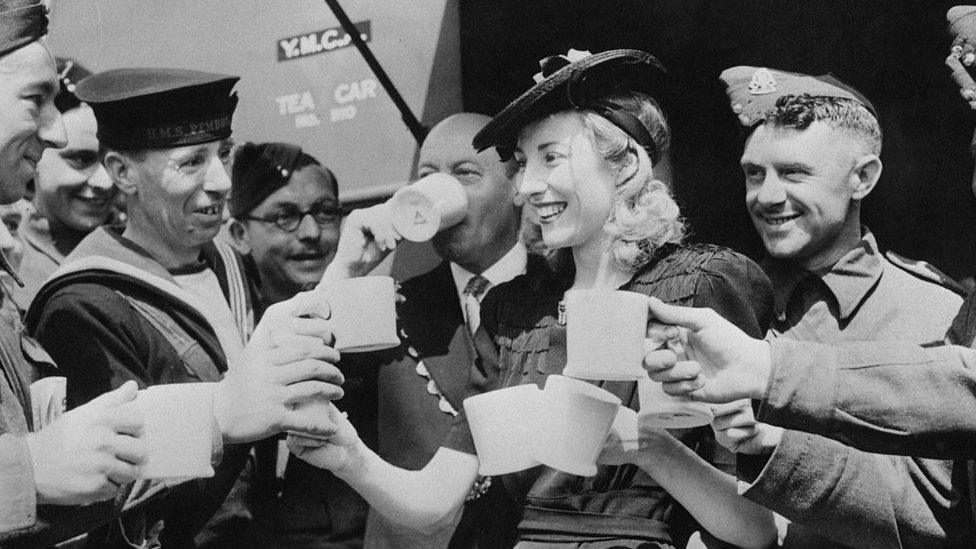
(850, 279)
(508, 267)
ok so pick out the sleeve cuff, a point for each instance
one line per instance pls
(18, 505)
(801, 383)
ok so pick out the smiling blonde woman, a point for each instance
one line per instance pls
(586, 138)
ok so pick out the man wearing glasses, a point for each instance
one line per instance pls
(285, 216)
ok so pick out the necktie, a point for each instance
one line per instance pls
(475, 288)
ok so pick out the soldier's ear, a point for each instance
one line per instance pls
(120, 169)
(865, 175)
(239, 238)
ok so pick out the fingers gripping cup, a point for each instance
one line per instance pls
(605, 331)
(574, 421)
(363, 314)
(503, 425)
(430, 205)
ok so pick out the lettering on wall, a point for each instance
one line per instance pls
(300, 105)
(316, 42)
(347, 93)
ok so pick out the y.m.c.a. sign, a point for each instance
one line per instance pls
(312, 43)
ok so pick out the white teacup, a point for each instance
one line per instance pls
(178, 430)
(503, 425)
(574, 421)
(48, 400)
(660, 409)
(432, 204)
(363, 314)
(605, 332)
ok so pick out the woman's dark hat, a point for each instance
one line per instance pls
(146, 108)
(21, 22)
(260, 170)
(579, 80)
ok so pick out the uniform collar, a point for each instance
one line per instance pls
(36, 231)
(850, 279)
(508, 267)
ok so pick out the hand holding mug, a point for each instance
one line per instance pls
(287, 361)
(88, 453)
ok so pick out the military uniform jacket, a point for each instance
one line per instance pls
(22, 522)
(41, 258)
(894, 398)
(839, 496)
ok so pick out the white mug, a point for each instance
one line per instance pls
(363, 316)
(424, 208)
(605, 332)
(574, 422)
(179, 430)
(504, 425)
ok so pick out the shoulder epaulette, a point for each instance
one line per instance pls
(925, 271)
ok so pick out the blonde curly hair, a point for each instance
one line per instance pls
(645, 215)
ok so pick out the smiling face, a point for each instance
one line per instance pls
(72, 188)
(570, 188)
(177, 198)
(29, 122)
(490, 226)
(801, 187)
(289, 261)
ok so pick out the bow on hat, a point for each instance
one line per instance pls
(553, 63)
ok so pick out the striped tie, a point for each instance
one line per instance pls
(475, 288)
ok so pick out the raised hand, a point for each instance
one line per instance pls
(736, 428)
(288, 361)
(367, 238)
(962, 53)
(89, 452)
(722, 363)
(334, 453)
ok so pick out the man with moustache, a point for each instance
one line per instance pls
(285, 217)
(809, 161)
(161, 302)
(72, 192)
(285, 214)
(421, 383)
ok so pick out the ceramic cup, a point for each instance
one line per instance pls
(48, 400)
(605, 332)
(660, 409)
(432, 204)
(574, 421)
(363, 314)
(178, 430)
(503, 424)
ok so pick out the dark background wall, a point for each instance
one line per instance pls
(893, 51)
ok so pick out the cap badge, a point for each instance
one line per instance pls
(553, 63)
(762, 82)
